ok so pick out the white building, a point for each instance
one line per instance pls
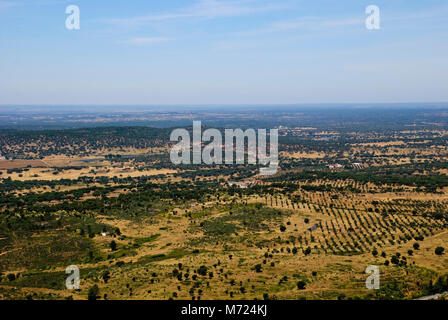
(335, 166)
(358, 165)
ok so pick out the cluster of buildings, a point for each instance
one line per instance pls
(243, 184)
(338, 166)
(357, 165)
(335, 166)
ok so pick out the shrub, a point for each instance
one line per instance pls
(93, 293)
(395, 260)
(202, 270)
(106, 276)
(11, 277)
(439, 251)
(301, 285)
(307, 251)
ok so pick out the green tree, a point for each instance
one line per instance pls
(202, 270)
(93, 293)
(106, 276)
(301, 285)
(11, 277)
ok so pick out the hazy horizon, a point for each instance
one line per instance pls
(12, 108)
(225, 51)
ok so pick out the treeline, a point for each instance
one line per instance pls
(429, 182)
(18, 144)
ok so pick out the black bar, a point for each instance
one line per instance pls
(178, 310)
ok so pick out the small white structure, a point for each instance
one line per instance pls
(2, 157)
(335, 166)
(358, 165)
(242, 185)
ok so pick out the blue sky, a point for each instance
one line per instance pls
(222, 52)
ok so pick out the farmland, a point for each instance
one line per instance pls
(350, 192)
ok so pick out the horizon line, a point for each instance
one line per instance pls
(215, 104)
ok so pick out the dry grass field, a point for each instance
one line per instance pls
(140, 228)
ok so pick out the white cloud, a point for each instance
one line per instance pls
(140, 41)
(320, 23)
(205, 9)
(303, 23)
